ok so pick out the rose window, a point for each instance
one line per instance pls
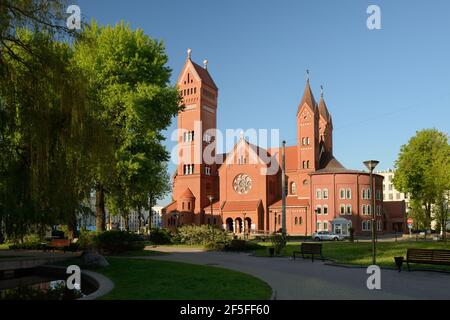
(242, 184)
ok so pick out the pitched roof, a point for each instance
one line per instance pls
(244, 205)
(187, 194)
(204, 75)
(307, 98)
(170, 207)
(291, 202)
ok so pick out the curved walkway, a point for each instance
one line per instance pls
(302, 279)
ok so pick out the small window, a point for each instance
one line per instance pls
(325, 209)
(342, 208)
(319, 226)
(319, 210)
(189, 206)
(369, 209)
(296, 220)
(348, 193)
(293, 188)
(364, 194)
(342, 193)
(325, 193)
(349, 209)
(300, 220)
(363, 209)
(318, 194)
(325, 226)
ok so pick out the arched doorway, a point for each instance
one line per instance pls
(239, 226)
(230, 225)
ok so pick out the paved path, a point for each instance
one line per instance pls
(175, 249)
(302, 279)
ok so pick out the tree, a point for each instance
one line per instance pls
(423, 169)
(38, 16)
(442, 213)
(130, 94)
(45, 138)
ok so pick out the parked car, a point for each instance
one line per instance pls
(325, 235)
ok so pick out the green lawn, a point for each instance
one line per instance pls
(4, 246)
(141, 253)
(360, 253)
(139, 279)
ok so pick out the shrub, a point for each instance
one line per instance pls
(86, 240)
(118, 242)
(278, 242)
(160, 236)
(209, 236)
(241, 245)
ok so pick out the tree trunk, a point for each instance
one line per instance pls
(72, 226)
(100, 215)
(126, 219)
(150, 213)
(140, 220)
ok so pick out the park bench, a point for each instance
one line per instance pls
(428, 256)
(310, 248)
(59, 244)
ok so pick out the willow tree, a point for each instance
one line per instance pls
(129, 92)
(48, 137)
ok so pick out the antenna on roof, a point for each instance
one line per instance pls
(321, 91)
(307, 75)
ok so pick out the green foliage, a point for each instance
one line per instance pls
(160, 236)
(241, 245)
(423, 169)
(128, 81)
(278, 242)
(112, 242)
(206, 235)
(86, 239)
(57, 292)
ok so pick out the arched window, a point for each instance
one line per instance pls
(318, 194)
(325, 209)
(296, 220)
(349, 209)
(301, 220)
(369, 209)
(325, 193)
(293, 188)
(363, 209)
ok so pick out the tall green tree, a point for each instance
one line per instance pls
(423, 169)
(129, 93)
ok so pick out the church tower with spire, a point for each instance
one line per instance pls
(307, 139)
(195, 182)
(325, 128)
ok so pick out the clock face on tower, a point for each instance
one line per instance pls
(242, 183)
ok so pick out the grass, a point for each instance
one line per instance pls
(4, 246)
(139, 279)
(360, 253)
(141, 253)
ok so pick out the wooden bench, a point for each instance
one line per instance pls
(58, 244)
(310, 248)
(428, 256)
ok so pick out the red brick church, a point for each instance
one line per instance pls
(233, 191)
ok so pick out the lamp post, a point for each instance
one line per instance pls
(371, 164)
(317, 218)
(283, 191)
(211, 198)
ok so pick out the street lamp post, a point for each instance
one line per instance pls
(371, 164)
(211, 198)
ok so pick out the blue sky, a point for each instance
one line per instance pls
(381, 86)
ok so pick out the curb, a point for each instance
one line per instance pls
(104, 284)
